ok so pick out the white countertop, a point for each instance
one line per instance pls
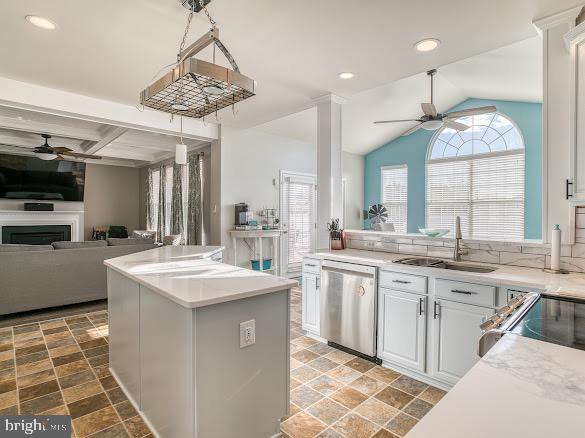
(520, 388)
(185, 276)
(557, 284)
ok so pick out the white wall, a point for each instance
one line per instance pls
(353, 174)
(251, 160)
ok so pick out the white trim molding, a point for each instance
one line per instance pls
(23, 218)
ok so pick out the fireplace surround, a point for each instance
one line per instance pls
(20, 218)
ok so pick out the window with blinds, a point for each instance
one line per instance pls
(478, 176)
(395, 195)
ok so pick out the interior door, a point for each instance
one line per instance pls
(402, 328)
(298, 223)
(456, 335)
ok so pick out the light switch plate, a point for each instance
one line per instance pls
(247, 333)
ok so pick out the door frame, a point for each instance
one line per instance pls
(310, 178)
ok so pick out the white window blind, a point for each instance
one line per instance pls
(301, 218)
(395, 195)
(487, 192)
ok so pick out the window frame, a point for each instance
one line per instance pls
(475, 156)
(392, 167)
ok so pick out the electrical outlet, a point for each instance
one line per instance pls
(247, 333)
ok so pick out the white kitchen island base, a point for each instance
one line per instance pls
(182, 366)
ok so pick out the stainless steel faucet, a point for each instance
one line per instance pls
(458, 252)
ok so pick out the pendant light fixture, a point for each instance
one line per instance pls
(181, 148)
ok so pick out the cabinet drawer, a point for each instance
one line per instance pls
(312, 265)
(406, 282)
(478, 294)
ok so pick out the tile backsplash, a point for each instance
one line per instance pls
(525, 254)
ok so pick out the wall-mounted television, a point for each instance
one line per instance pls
(24, 177)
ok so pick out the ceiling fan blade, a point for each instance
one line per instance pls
(471, 112)
(14, 146)
(429, 109)
(60, 149)
(395, 121)
(413, 129)
(447, 123)
(78, 155)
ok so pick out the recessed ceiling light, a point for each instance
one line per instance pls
(427, 45)
(42, 22)
(346, 75)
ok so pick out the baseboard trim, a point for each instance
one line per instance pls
(417, 375)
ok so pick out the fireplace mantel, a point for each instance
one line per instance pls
(20, 217)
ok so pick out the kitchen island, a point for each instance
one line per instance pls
(178, 345)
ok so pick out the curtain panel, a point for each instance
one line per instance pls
(195, 200)
(177, 200)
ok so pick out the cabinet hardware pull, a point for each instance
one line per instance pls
(310, 264)
(420, 306)
(401, 281)
(435, 310)
(569, 183)
(317, 283)
(464, 292)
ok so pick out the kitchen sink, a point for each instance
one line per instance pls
(442, 264)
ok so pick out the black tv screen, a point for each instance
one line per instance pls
(32, 178)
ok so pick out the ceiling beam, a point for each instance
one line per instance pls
(110, 135)
(17, 94)
(37, 127)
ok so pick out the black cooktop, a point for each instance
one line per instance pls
(556, 320)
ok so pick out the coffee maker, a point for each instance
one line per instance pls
(241, 219)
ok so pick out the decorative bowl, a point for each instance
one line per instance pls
(433, 232)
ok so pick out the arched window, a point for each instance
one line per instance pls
(477, 174)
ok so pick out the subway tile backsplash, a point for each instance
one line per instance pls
(529, 255)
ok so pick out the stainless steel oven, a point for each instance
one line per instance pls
(348, 306)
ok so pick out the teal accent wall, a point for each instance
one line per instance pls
(412, 151)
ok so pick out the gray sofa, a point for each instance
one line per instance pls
(40, 276)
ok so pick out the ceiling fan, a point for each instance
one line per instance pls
(432, 120)
(46, 152)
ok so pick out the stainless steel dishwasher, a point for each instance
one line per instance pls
(348, 306)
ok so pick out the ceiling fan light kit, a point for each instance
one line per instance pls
(46, 152)
(432, 120)
(196, 88)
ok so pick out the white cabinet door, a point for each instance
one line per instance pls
(455, 334)
(402, 328)
(310, 299)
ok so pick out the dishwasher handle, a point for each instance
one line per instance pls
(348, 272)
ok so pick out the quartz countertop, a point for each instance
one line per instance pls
(186, 275)
(572, 284)
(520, 388)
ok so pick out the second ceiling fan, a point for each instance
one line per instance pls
(432, 120)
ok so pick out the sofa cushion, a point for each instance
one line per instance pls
(75, 245)
(118, 241)
(18, 248)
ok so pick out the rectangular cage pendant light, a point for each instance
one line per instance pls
(196, 88)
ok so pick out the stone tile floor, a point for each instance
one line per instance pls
(335, 394)
(61, 367)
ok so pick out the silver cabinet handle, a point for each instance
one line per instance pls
(317, 283)
(463, 292)
(310, 264)
(401, 281)
(421, 302)
(436, 309)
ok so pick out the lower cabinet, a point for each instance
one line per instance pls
(310, 300)
(455, 335)
(402, 328)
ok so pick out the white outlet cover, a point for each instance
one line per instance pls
(247, 333)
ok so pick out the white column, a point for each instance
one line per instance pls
(329, 168)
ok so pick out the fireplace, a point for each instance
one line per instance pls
(35, 234)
